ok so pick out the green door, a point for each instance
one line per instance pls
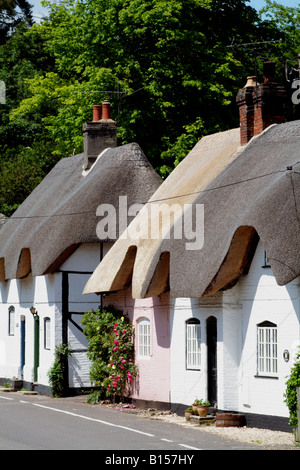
(36, 360)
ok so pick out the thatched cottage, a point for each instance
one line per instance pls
(50, 246)
(232, 278)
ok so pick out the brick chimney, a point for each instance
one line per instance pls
(99, 134)
(261, 104)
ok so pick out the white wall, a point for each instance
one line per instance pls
(279, 305)
(256, 298)
(80, 266)
(186, 385)
(45, 294)
(22, 294)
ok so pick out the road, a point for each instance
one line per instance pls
(44, 423)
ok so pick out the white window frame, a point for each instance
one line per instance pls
(267, 349)
(11, 320)
(193, 344)
(47, 324)
(144, 338)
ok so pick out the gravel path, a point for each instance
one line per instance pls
(273, 440)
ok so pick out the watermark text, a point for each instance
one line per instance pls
(156, 221)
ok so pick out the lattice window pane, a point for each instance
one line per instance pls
(193, 346)
(267, 350)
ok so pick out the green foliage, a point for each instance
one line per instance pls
(201, 402)
(169, 60)
(290, 395)
(56, 373)
(165, 65)
(12, 13)
(111, 351)
(286, 20)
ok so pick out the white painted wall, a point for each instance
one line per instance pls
(186, 385)
(280, 305)
(255, 298)
(22, 294)
(45, 294)
(80, 267)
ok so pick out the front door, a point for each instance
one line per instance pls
(211, 340)
(22, 358)
(36, 358)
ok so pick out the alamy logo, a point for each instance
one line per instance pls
(2, 92)
(296, 93)
(156, 221)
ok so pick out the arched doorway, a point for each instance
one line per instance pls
(23, 337)
(211, 342)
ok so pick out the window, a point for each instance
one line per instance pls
(267, 348)
(193, 343)
(47, 333)
(144, 337)
(11, 321)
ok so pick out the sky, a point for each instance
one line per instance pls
(258, 4)
(39, 11)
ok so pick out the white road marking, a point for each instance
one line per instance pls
(6, 398)
(94, 419)
(98, 421)
(189, 447)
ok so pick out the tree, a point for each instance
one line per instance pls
(12, 13)
(170, 68)
(25, 157)
(286, 19)
(164, 65)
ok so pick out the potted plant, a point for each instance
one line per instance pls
(188, 413)
(201, 406)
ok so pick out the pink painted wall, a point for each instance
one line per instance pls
(153, 381)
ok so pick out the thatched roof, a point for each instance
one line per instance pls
(246, 196)
(3, 219)
(60, 213)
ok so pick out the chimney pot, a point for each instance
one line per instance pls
(99, 134)
(96, 112)
(260, 105)
(251, 81)
(106, 110)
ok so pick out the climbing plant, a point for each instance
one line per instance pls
(290, 395)
(111, 351)
(56, 373)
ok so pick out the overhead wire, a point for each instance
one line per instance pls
(179, 196)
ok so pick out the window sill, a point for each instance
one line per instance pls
(266, 377)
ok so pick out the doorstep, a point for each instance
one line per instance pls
(202, 420)
(7, 389)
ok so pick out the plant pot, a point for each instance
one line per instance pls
(195, 408)
(188, 414)
(202, 410)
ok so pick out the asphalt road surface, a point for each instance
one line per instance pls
(43, 423)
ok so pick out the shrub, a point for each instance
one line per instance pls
(111, 351)
(56, 373)
(290, 395)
